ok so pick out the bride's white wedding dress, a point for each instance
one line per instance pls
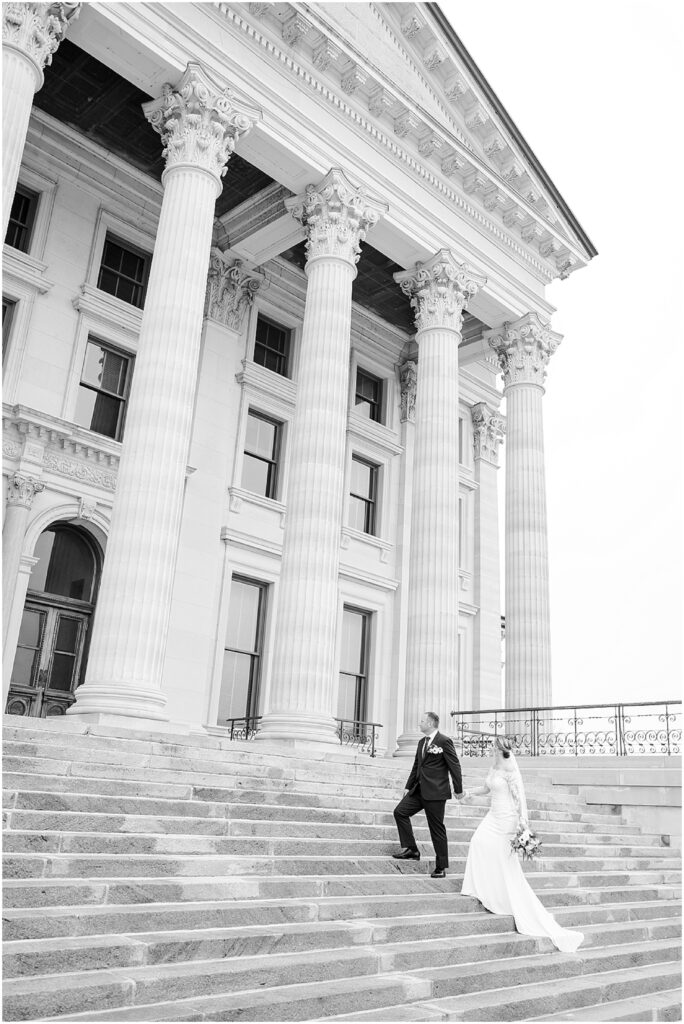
(494, 874)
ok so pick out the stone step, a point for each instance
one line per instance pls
(460, 827)
(460, 971)
(111, 804)
(652, 1006)
(99, 919)
(154, 843)
(31, 892)
(111, 865)
(254, 806)
(519, 1002)
(424, 937)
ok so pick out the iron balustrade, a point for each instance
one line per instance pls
(355, 733)
(624, 730)
(246, 730)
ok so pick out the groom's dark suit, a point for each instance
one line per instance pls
(428, 790)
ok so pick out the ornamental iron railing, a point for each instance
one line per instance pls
(242, 728)
(623, 730)
(355, 733)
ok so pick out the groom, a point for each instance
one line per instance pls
(428, 789)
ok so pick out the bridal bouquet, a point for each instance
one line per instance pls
(526, 841)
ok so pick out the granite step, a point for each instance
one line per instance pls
(460, 827)
(518, 963)
(62, 841)
(424, 938)
(536, 1001)
(662, 1006)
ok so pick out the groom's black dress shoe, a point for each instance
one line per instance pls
(406, 854)
(438, 873)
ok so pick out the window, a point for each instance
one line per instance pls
(103, 390)
(272, 346)
(352, 696)
(460, 440)
(262, 449)
(243, 650)
(124, 271)
(363, 495)
(22, 218)
(368, 396)
(7, 314)
(461, 534)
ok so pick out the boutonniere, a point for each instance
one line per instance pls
(435, 750)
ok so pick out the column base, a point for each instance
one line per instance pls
(407, 743)
(114, 700)
(298, 731)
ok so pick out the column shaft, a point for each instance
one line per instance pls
(528, 631)
(20, 78)
(13, 532)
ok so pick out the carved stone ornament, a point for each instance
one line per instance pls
(231, 288)
(488, 432)
(22, 489)
(87, 508)
(325, 54)
(408, 379)
(198, 123)
(524, 349)
(37, 29)
(439, 290)
(295, 28)
(336, 216)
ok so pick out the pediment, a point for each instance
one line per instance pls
(402, 65)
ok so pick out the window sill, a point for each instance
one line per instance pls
(99, 305)
(26, 269)
(237, 496)
(383, 546)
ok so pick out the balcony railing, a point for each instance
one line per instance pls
(354, 733)
(242, 728)
(623, 730)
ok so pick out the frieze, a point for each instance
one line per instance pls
(82, 471)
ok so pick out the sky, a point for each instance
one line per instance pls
(594, 87)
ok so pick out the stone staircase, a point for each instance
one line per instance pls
(155, 877)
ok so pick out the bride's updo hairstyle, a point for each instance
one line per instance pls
(504, 745)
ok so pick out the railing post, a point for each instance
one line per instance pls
(574, 720)
(619, 731)
(667, 727)
(535, 733)
(372, 741)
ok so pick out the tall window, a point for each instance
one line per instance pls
(460, 440)
(363, 495)
(368, 396)
(7, 314)
(124, 271)
(22, 219)
(243, 650)
(103, 390)
(352, 696)
(262, 450)
(272, 346)
(461, 533)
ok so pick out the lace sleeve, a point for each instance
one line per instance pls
(517, 792)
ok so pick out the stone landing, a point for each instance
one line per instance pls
(151, 877)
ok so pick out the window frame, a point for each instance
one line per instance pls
(34, 199)
(254, 690)
(122, 399)
(287, 330)
(370, 501)
(127, 247)
(379, 406)
(362, 688)
(274, 462)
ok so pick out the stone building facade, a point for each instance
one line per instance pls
(265, 269)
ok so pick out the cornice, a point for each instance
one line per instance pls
(517, 210)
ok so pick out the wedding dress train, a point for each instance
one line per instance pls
(494, 874)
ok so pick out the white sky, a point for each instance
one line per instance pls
(596, 88)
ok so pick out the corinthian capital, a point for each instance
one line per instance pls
(231, 288)
(37, 29)
(524, 348)
(488, 432)
(336, 215)
(439, 290)
(22, 489)
(199, 124)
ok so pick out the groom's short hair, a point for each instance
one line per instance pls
(433, 717)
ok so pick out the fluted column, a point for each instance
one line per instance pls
(524, 348)
(439, 291)
(336, 216)
(488, 434)
(21, 490)
(30, 35)
(199, 126)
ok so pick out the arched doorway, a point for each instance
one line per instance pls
(53, 639)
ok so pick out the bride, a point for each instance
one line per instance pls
(493, 872)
